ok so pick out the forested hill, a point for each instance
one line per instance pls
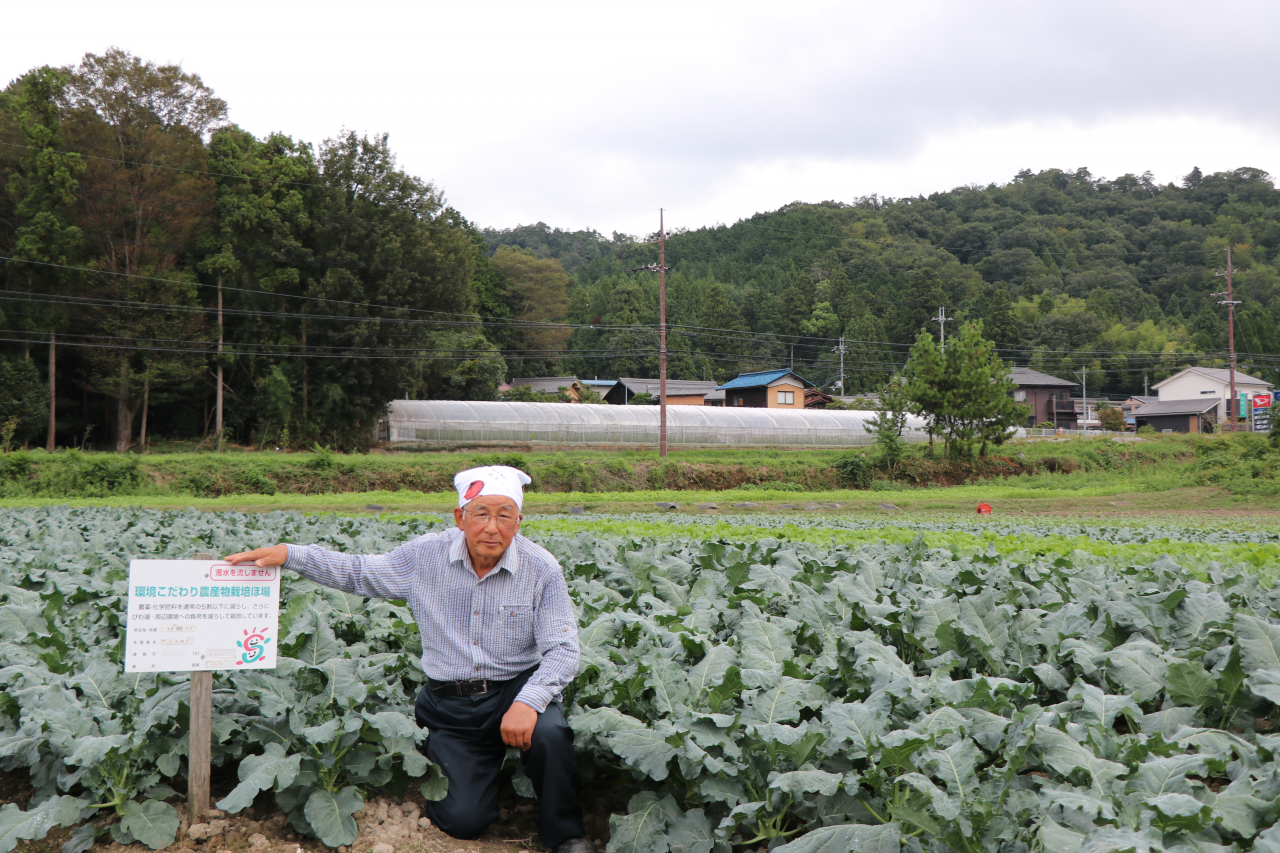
(1066, 271)
(155, 258)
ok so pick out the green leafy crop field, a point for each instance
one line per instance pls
(823, 685)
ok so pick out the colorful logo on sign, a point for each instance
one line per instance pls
(254, 645)
(1262, 401)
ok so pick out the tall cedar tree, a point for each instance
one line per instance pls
(143, 201)
(398, 269)
(46, 243)
(257, 259)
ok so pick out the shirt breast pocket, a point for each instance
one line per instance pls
(517, 623)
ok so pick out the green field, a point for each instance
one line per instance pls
(829, 681)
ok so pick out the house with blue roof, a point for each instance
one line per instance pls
(766, 389)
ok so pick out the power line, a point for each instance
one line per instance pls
(286, 295)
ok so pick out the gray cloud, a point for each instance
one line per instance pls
(582, 113)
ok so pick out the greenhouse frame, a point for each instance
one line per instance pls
(474, 422)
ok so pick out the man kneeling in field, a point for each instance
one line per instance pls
(499, 644)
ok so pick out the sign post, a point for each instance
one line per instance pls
(1261, 412)
(197, 616)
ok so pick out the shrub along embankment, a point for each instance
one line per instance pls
(1245, 464)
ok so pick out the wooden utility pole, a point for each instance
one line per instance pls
(840, 348)
(218, 424)
(1084, 379)
(661, 269)
(200, 738)
(49, 443)
(1231, 304)
(662, 336)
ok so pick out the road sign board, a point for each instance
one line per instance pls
(1262, 412)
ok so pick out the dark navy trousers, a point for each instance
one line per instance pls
(465, 740)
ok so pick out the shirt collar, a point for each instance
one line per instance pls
(510, 559)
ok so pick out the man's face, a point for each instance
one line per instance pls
(489, 523)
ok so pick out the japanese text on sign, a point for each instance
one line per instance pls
(188, 615)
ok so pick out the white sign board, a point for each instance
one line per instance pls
(190, 615)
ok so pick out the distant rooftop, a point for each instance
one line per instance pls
(1027, 376)
(675, 387)
(1221, 374)
(1178, 407)
(761, 378)
(545, 383)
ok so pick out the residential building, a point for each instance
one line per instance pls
(815, 398)
(680, 392)
(600, 386)
(1131, 405)
(1192, 416)
(1047, 397)
(548, 384)
(766, 389)
(1202, 383)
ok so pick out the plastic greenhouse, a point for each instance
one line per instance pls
(455, 421)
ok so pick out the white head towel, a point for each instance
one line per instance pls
(491, 480)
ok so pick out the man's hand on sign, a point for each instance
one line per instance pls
(517, 725)
(274, 555)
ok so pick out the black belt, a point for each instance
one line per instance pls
(474, 687)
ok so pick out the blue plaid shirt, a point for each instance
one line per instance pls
(495, 627)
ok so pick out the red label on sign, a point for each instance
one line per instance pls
(1262, 401)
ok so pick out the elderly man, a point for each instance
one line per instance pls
(499, 644)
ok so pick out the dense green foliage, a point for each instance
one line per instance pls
(131, 209)
(334, 717)
(946, 690)
(963, 391)
(1244, 464)
(1068, 272)
(156, 241)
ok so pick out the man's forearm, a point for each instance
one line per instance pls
(383, 576)
(559, 666)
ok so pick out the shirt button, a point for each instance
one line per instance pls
(475, 642)
(477, 613)
(477, 669)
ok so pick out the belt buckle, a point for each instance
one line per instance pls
(475, 687)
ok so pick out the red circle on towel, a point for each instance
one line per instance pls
(473, 490)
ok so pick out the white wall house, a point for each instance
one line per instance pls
(1200, 383)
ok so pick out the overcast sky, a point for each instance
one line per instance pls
(595, 114)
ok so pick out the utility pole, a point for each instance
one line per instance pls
(661, 269)
(840, 349)
(1146, 392)
(942, 332)
(1231, 304)
(50, 443)
(662, 336)
(1084, 382)
(219, 404)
